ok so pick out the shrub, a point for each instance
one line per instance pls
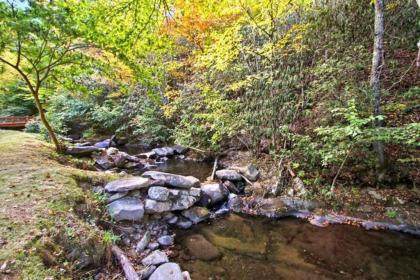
(33, 126)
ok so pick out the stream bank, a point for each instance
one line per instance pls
(160, 202)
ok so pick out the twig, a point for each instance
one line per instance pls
(339, 170)
(403, 75)
(129, 271)
(214, 168)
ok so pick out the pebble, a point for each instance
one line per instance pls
(166, 240)
(153, 246)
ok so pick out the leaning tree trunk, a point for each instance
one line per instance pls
(375, 79)
(45, 122)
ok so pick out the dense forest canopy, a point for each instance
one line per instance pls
(288, 78)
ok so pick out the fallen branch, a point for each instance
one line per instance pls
(196, 149)
(214, 168)
(129, 271)
(246, 179)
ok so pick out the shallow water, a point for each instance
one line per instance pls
(291, 249)
(198, 169)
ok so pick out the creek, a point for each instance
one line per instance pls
(260, 248)
(254, 248)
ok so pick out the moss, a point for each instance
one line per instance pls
(44, 234)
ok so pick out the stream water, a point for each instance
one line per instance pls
(253, 248)
(199, 169)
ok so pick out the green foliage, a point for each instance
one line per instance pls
(279, 76)
(66, 111)
(339, 140)
(14, 98)
(110, 238)
(108, 117)
(205, 118)
(392, 214)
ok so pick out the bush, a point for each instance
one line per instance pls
(67, 112)
(33, 126)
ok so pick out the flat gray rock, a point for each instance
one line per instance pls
(129, 184)
(155, 258)
(173, 180)
(227, 174)
(117, 196)
(126, 208)
(167, 271)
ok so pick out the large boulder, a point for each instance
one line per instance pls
(167, 271)
(228, 174)
(216, 192)
(158, 193)
(199, 247)
(173, 180)
(155, 258)
(164, 151)
(126, 208)
(196, 214)
(129, 184)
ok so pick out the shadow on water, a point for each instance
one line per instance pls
(291, 249)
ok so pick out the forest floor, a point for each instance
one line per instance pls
(38, 196)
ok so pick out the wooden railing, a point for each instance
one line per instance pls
(14, 122)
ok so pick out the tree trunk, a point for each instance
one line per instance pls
(375, 78)
(47, 125)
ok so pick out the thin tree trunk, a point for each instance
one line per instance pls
(375, 78)
(45, 122)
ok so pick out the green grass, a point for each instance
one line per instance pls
(38, 199)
